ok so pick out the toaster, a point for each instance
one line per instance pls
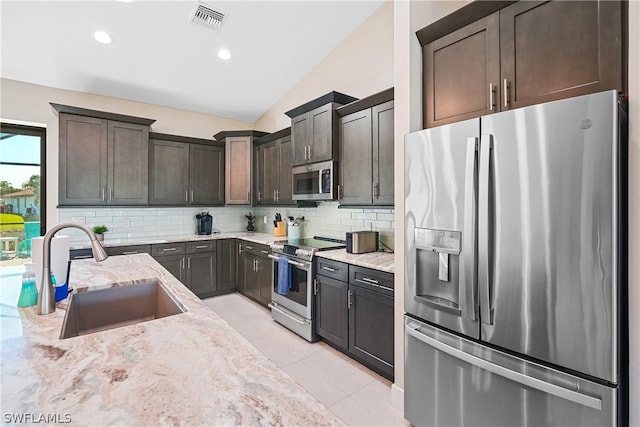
(360, 242)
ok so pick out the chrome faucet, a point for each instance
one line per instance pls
(46, 293)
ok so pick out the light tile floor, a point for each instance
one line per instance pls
(354, 393)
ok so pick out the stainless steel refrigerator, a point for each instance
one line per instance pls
(515, 291)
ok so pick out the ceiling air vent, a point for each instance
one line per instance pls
(206, 15)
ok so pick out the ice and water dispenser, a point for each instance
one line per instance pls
(438, 267)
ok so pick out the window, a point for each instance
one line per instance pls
(22, 189)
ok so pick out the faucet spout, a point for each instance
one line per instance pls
(46, 293)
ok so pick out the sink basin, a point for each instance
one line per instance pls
(103, 309)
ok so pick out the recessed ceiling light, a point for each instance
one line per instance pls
(125, 1)
(102, 37)
(224, 54)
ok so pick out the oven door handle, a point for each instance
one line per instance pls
(274, 307)
(297, 264)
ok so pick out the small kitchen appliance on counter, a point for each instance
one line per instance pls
(205, 222)
(361, 242)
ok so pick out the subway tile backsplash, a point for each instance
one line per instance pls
(155, 223)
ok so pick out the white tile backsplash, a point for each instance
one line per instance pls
(131, 223)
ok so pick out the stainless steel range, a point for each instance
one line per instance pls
(292, 283)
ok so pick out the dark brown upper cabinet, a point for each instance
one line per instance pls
(314, 129)
(103, 158)
(185, 171)
(366, 136)
(273, 169)
(497, 56)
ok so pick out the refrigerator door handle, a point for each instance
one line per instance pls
(468, 285)
(413, 329)
(484, 230)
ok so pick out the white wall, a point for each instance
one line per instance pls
(360, 66)
(23, 102)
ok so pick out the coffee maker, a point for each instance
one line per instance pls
(204, 222)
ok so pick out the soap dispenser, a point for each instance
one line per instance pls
(29, 291)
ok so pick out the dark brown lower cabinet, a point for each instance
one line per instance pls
(255, 276)
(356, 317)
(332, 314)
(174, 265)
(226, 264)
(371, 328)
(201, 273)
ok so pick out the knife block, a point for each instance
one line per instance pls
(279, 230)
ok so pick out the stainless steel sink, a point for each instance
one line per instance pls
(95, 311)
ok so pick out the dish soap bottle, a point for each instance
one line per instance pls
(29, 291)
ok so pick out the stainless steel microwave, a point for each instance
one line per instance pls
(316, 181)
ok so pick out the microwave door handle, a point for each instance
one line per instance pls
(320, 183)
(484, 230)
(468, 286)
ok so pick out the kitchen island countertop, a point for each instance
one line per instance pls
(187, 369)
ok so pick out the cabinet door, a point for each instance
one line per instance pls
(83, 160)
(300, 139)
(270, 173)
(226, 264)
(206, 178)
(332, 314)
(264, 272)
(175, 265)
(559, 49)
(460, 69)
(128, 164)
(355, 158)
(382, 147)
(169, 172)
(371, 328)
(321, 134)
(285, 175)
(201, 272)
(251, 285)
(238, 170)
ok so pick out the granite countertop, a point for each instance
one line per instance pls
(264, 238)
(187, 369)
(383, 261)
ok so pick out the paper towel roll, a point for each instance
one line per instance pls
(59, 257)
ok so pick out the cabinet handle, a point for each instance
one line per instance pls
(249, 248)
(372, 281)
(328, 268)
(339, 191)
(104, 194)
(505, 83)
(349, 295)
(130, 253)
(492, 91)
(192, 195)
(305, 151)
(239, 248)
(310, 156)
(169, 249)
(186, 196)
(315, 286)
(189, 263)
(202, 247)
(259, 195)
(82, 257)
(277, 195)
(110, 194)
(264, 252)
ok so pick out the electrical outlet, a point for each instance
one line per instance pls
(264, 219)
(79, 219)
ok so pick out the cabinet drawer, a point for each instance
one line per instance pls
(335, 269)
(206, 246)
(168, 249)
(370, 278)
(129, 250)
(255, 248)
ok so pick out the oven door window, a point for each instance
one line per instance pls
(299, 285)
(306, 183)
